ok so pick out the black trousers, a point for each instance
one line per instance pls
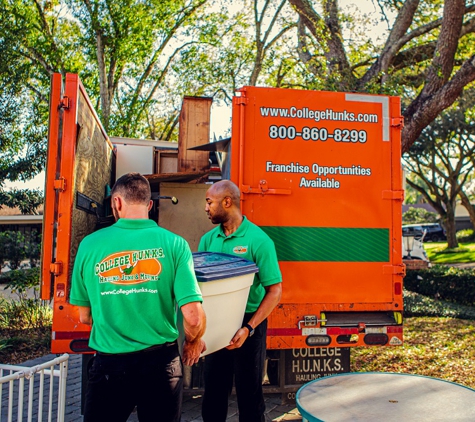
(152, 380)
(246, 364)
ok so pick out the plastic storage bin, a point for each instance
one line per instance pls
(224, 281)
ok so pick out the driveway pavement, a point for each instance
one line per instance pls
(275, 410)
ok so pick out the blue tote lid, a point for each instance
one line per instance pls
(210, 266)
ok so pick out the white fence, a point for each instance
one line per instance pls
(42, 397)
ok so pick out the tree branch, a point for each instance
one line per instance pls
(423, 110)
(158, 51)
(393, 43)
(447, 43)
(328, 33)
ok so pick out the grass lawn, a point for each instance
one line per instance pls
(433, 346)
(439, 254)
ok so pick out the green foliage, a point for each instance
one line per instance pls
(466, 236)
(13, 248)
(137, 59)
(441, 161)
(443, 282)
(16, 248)
(34, 42)
(418, 215)
(28, 311)
(25, 314)
(25, 322)
(27, 200)
(23, 135)
(122, 51)
(417, 305)
(22, 143)
(22, 281)
(411, 196)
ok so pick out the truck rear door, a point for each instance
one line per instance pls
(79, 170)
(320, 172)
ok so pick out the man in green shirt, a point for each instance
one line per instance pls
(128, 280)
(244, 358)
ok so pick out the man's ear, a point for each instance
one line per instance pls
(150, 205)
(117, 202)
(227, 201)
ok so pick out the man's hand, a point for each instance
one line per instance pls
(194, 325)
(270, 301)
(239, 338)
(85, 315)
(192, 351)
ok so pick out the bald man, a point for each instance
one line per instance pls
(244, 358)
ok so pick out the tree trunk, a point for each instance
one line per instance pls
(104, 91)
(469, 207)
(449, 224)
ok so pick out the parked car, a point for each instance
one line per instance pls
(433, 232)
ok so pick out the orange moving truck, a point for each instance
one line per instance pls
(319, 172)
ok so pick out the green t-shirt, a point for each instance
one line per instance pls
(250, 242)
(132, 275)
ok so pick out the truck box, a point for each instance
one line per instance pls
(320, 172)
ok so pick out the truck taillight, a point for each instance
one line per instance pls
(80, 345)
(375, 339)
(397, 288)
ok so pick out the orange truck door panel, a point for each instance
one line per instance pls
(320, 172)
(79, 168)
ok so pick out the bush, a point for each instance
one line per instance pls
(466, 236)
(419, 215)
(26, 312)
(451, 284)
(16, 248)
(25, 322)
(21, 281)
(416, 305)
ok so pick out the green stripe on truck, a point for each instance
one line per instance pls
(326, 244)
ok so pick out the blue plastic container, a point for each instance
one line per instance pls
(210, 266)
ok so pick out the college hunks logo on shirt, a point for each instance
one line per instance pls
(130, 267)
(240, 250)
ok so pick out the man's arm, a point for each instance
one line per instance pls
(85, 315)
(194, 324)
(270, 301)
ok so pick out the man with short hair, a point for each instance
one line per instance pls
(244, 358)
(127, 281)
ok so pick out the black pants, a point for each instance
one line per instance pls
(152, 380)
(246, 364)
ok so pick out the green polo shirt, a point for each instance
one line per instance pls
(250, 242)
(133, 275)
